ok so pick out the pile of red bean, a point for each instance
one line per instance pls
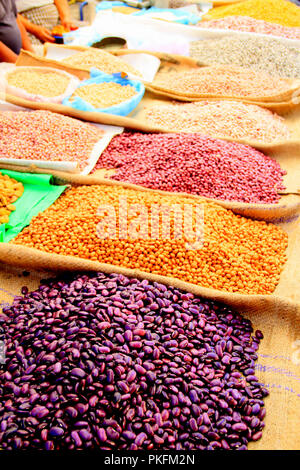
(194, 164)
(104, 361)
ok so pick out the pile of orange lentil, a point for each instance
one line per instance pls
(237, 255)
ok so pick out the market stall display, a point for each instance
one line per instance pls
(238, 254)
(222, 118)
(224, 81)
(117, 378)
(52, 141)
(174, 237)
(194, 164)
(104, 95)
(40, 84)
(251, 25)
(102, 60)
(261, 54)
(282, 12)
(111, 94)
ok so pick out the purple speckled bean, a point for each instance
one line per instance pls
(104, 361)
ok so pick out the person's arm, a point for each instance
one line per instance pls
(43, 34)
(6, 54)
(64, 14)
(26, 43)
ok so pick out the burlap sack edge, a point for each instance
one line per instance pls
(287, 102)
(292, 145)
(32, 258)
(196, 63)
(287, 207)
(277, 98)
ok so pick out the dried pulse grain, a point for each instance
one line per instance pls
(231, 119)
(194, 164)
(260, 54)
(48, 84)
(10, 191)
(237, 255)
(222, 81)
(102, 60)
(251, 25)
(102, 361)
(46, 136)
(282, 12)
(104, 95)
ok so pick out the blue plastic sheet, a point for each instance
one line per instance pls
(106, 5)
(183, 17)
(179, 16)
(122, 109)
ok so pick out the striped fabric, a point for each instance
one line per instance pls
(46, 16)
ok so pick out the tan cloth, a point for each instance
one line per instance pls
(278, 362)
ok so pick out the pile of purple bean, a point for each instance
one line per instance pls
(104, 361)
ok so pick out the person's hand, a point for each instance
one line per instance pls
(68, 25)
(43, 34)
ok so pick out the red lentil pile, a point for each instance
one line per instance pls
(194, 164)
(222, 80)
(46, 136)
(221, 119)
(251, 25)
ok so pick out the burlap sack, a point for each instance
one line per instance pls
(286, 153)
(178, 63)
(278, 356)
(283, 296)
(172, 62)
(137, 118)
(277, 315)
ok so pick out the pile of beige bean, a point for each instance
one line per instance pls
(102, 60)
(104, 95)
(44, 83)
(222, 80)
(261, 54)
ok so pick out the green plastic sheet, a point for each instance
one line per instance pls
(38, 195)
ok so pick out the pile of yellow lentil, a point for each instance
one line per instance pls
(282, 12)
(103, 95)
(238, 254)
(102, 60)
(48, 84)
(221, 80)
(10, 191)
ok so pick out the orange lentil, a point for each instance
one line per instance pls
(238, 254)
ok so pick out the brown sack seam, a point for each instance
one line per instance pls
(22, 256)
